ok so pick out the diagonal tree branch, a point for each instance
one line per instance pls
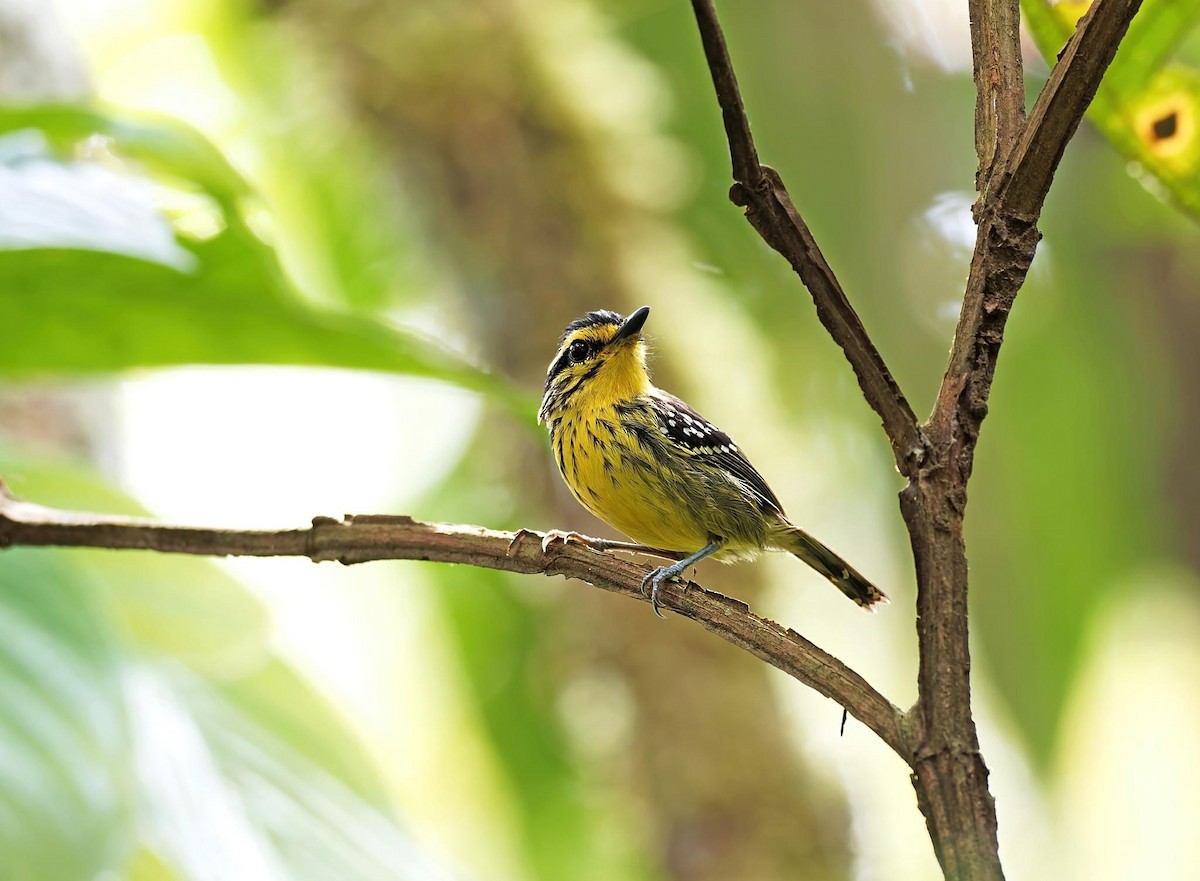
(760, 190)
(1017, 161)
(361, 538)
(1061, 104)
(1008, 234)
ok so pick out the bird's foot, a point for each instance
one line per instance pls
(568, 538)
(655, 577)
(603, 544)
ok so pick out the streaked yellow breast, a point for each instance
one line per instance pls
(608, 472)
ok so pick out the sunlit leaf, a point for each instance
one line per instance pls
(93, 277)
(75, 312)
(52, 204)
(137, 739)
(65, 796)
(275, 698)
(223, 797)
(160, 144)
(1148, 104)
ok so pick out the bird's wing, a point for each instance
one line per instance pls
(696, 436)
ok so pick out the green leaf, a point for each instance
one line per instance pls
(96, 278)
(202, 617)
(276, 699)
(65, 800)
(160, 144)
(167, 750)
(1148, 104)
(74, 311)
(225, 797)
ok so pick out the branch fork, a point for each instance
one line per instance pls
(1017, 159)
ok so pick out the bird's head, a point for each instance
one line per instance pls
(601, 358)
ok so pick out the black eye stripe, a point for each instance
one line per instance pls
(561, 364)
(591, 347)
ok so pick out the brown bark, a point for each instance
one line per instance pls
(364, 538)
(1017, 162)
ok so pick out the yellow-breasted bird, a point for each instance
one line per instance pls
(649, 465)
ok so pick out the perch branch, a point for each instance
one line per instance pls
(358, 539)
(759, 189)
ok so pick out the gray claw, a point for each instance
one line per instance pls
(655, 577)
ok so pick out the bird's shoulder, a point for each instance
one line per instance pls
(694, 435)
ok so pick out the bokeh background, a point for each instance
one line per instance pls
(268, 260)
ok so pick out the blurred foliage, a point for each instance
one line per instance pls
(1149, 102)
(89, 242)
(150, 731)
(516, 681)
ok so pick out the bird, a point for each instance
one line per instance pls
(650, 466)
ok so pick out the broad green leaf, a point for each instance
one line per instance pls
(203, 617)
(66, 803)
(76, 311)
(1148, 104)
(224, 797)
(276, 699)
(164, 145)
(94, 276)
(53, 204)
(137, 740)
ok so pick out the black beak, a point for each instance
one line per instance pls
(632, 326)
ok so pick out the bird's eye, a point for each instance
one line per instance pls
(578, 351)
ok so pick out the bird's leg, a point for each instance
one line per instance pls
(603, 544)
(660, 574)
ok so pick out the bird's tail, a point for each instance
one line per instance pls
(833, 567)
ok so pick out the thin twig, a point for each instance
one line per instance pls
(747, 170)
(769, 208)
(358, 539)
